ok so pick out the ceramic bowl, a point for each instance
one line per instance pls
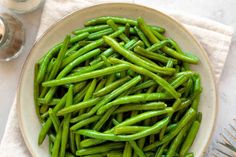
(28, 120)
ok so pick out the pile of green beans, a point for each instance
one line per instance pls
(117, 88)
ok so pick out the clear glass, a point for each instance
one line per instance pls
(22, 6)
(11, 37)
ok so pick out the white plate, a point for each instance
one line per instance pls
(29, 123)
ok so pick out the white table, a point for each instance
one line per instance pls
(219, 10)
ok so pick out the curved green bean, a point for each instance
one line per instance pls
(83, 77)
(135, 59)
(146, 72)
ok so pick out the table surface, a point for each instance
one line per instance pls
(219, 10)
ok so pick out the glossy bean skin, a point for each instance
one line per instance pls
(83, 77)
(111, 87)
(187, 117)
(56, 146)
(122, 36)
(66, 123)
(136, 60)
(189, 139)
(99, 149)
(145, 72)
(88, 47)
(124, 87)
(143, 107)
(91, 29)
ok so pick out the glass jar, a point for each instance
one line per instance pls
(22, 6)
(11, 37)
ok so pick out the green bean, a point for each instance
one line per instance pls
(56, 146)
(69, 155)
(189, 139)
(111, 87)
(142, 36)
(65, 128)
(127, 29)
(89, 93)
(79, 86)
(49, 69)
(145, 72)
(137, 150)
(45, 62)
(143, 85)
(152, 55)
(133, 58)
(158, 29)
(161, 150)
(106, 53)
(171, 127)
(83, 77)
(157, 34)
(72, 142)
(99, 34)
(114, 154)
(46, 126)
(186, 118)
(169, 51)
(80, 95)
(103, 119)
(129, 129)
(138, 43)
(99, 149)
(68, 68)
(146, 30)
(72, 50)
(104, 58)
(106, 136)
(53, 101)
(115, 122)
(127, 150)
(43, 109)
(100, 85)
(77, 107)
(36, 92)
(142, 107)
(109, 97)
(50, 147)
(77, 141)
(88, 47)
(122, 36)
(84, 123)
(183, 57)
(119, 117)
(103, 20)
(124, 87)
(135, 99)
(91, 29)
(54, 118)
(58, 106)
(188, 87)
(177, 141)
(157, 46)
(88, 68)
(61, 55)
(79, 37)
(174, 106)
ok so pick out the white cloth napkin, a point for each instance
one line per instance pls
(205, 30)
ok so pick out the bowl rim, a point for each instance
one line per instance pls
(19, 113)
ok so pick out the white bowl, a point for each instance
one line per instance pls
(28, 120)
